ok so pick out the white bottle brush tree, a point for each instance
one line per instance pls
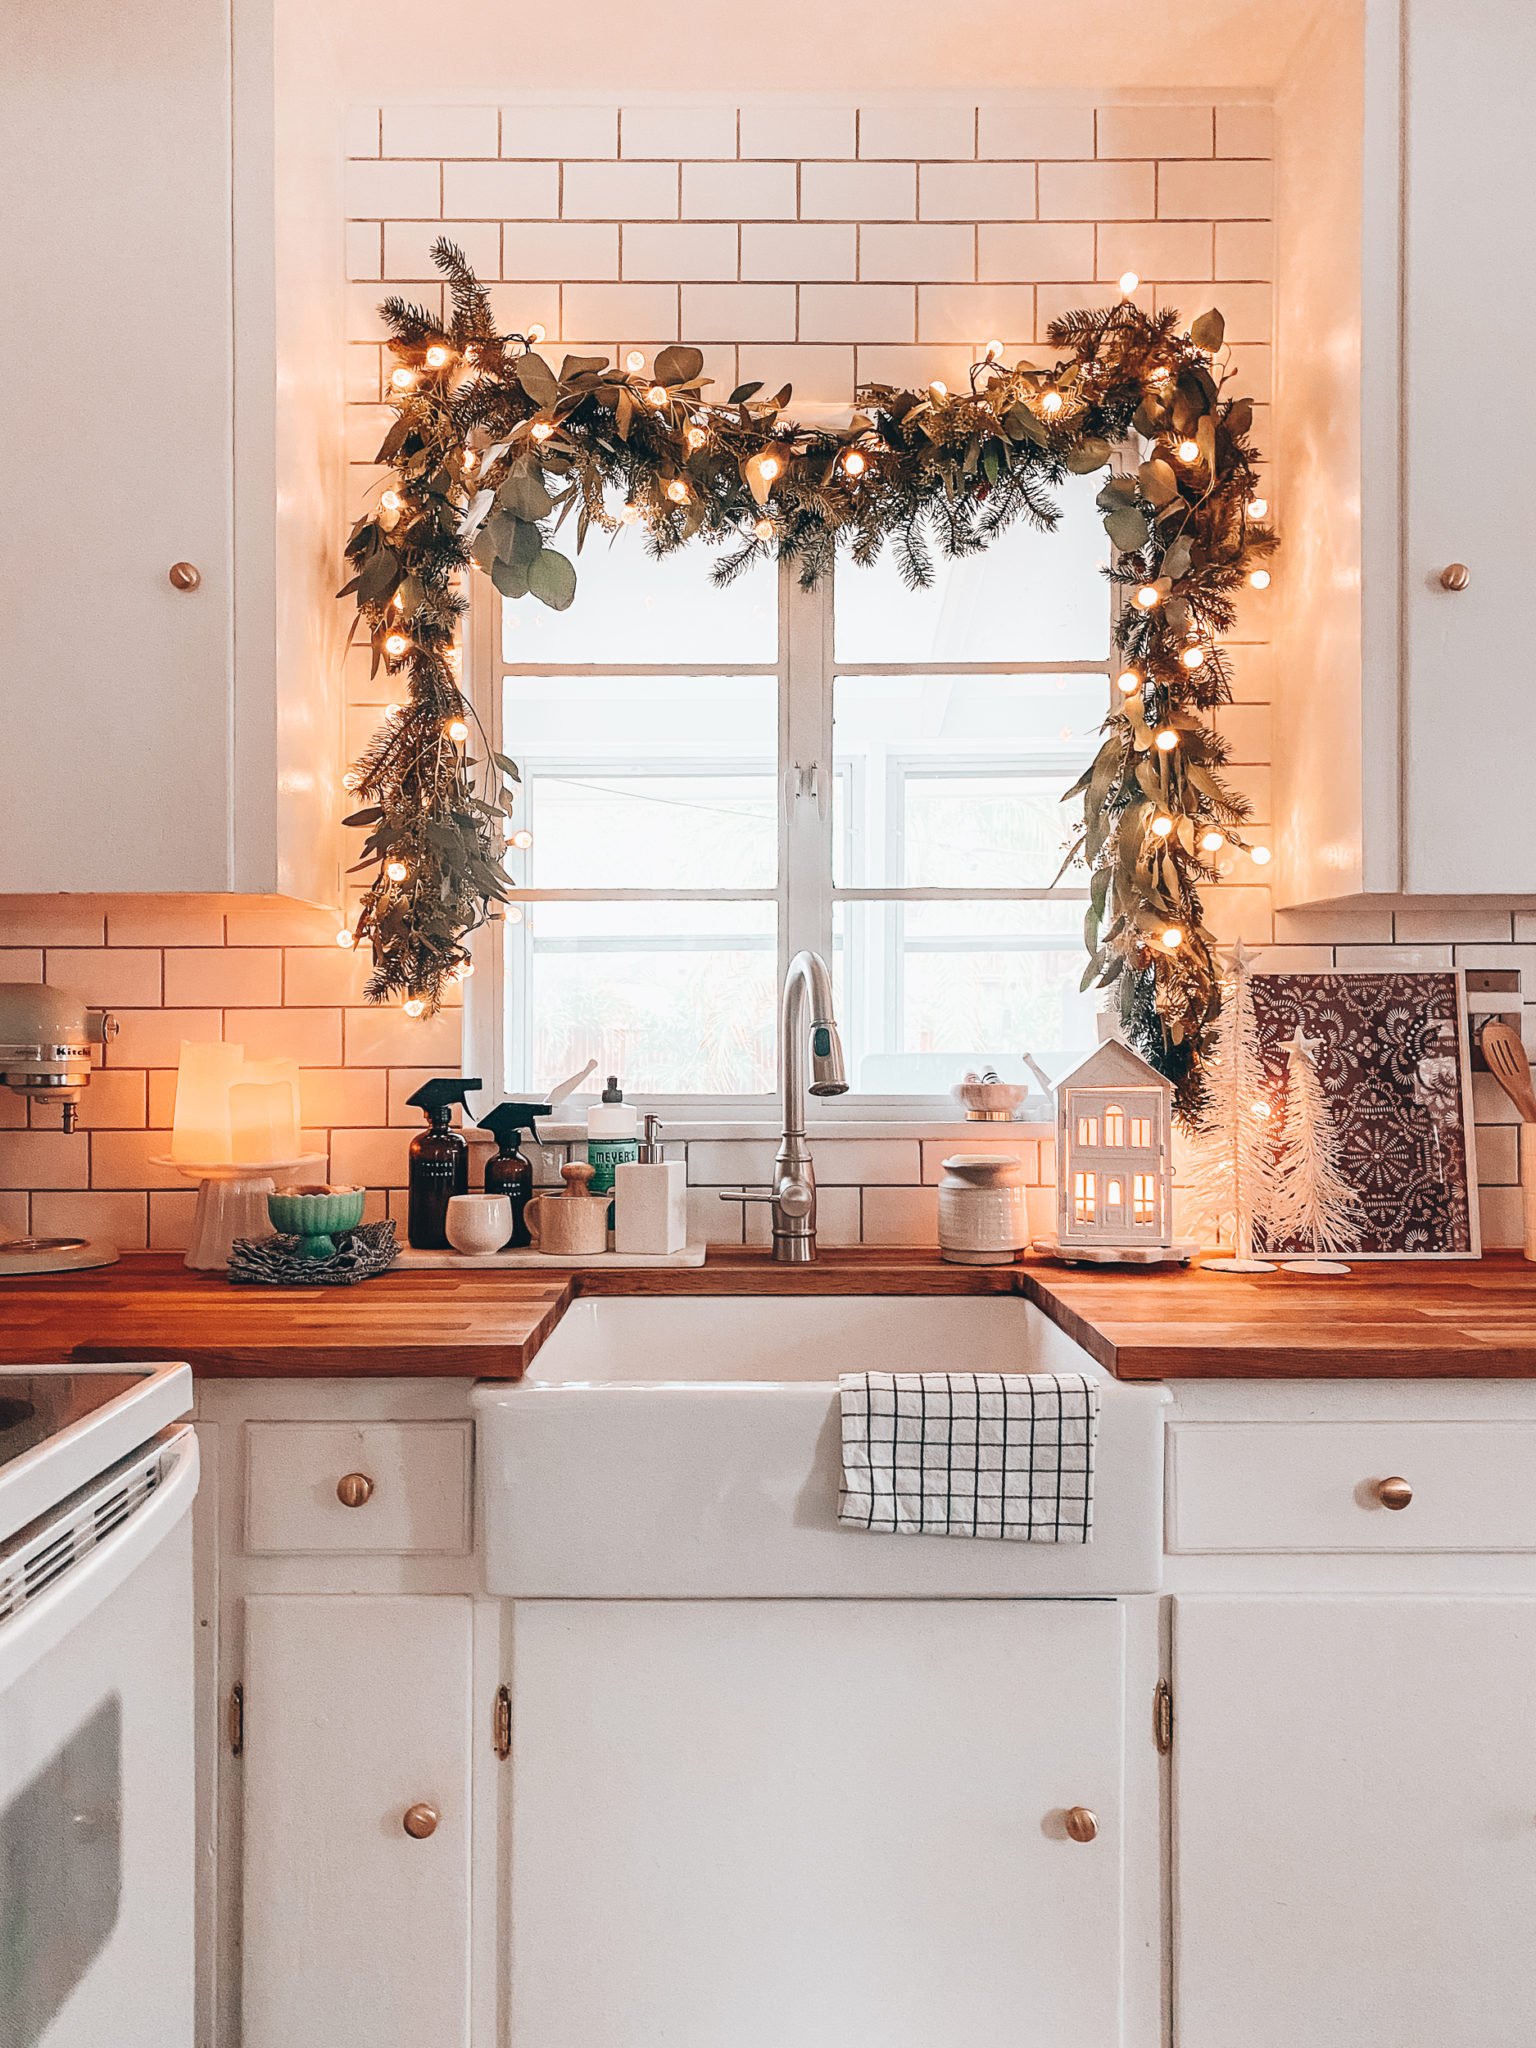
(1234, 1178)
(1314, 1202)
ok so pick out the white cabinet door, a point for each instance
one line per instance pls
(1469, 751)
(1355, 1822)
(115, 233)
(353, 1930)
(837, 1824)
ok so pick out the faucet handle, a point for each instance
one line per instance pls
(748, 1195)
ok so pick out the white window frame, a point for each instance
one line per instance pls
(805, 895)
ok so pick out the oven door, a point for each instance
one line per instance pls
(96, 1785)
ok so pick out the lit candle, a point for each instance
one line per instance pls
(205, 1074)
(264, 1111)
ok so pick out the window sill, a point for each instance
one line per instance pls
(687, 1130)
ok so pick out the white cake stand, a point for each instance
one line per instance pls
(232, 1202)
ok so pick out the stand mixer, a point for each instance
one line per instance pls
(46, 1035)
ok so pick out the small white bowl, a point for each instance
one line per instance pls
(478, 1223)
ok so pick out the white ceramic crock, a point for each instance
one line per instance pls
(983, 1219)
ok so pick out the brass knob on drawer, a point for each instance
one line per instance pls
(420, 1820)
(1082, 1823)
(354, 1490)
(1455, 576)
(184, 575)
(1394, 1493)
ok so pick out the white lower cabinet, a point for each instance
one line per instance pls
(356, 1822)
(1354, 1846)
(835, 1824)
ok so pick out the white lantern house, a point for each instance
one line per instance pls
(1114, 1155)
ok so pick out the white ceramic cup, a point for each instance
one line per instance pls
(478, 1223)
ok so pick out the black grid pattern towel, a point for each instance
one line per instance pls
(969, 1454)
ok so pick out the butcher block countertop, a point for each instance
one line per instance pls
(1475, 1319)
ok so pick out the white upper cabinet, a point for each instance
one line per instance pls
(1404, 749)
(157, 738)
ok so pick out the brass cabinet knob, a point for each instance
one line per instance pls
(1455, 576)
(420, 1821)
(1394, 1493)
(354, 1490)
(185, 575)
(1082, 1823)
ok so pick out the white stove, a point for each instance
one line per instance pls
(97, 1476)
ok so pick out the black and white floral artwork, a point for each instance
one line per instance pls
(1394, 1071)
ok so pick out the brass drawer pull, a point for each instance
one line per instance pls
(1082, 1823)
(1455, 576)
(354, 1490)
(420, 1820)
(184, 575)
(1394, 1493)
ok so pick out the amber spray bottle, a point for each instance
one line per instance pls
(439, 1167)
(507, 1172)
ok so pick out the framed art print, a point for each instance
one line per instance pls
(1395, 1071)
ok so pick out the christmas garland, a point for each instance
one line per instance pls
(492, 453)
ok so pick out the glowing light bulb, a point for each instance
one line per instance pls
(394, 711)
(769, 467)
(345, 940)
(1257, 507)
(994, 351)
(677, 491)
(634, 362)
(1193, 656)
(470, 461)
(1128, 281)
(1212, 842)
(1259, 855)
(462, 972)
(1149, 597)
(1189, 451)
(1128, 681)
(537, 332)
(628, 514)
(1166, 740)
(937, 389)
(696, 437)
(513, 914)
(1260, 1109)
(437, 356)
(541, 430)
(656, 396)
(763, 528)
(1162, 827)
(396, 870)
(1052, 403)
(395, 645)
(854, 464)
(402, 379)
(413, 1006)
(522, 839)
(457, 731)
(1258, 579)
(391, 501)
(351, 780)
(1173, 938)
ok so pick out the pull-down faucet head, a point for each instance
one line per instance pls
(828, 1075)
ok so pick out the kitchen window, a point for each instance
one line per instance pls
(713, 778)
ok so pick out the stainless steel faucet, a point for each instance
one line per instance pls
(793, 1193)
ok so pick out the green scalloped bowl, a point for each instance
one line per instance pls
(315, 1219)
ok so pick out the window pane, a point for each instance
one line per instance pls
(955, 782)
(1030, 596)
(675, 998)
(631, 607)
(928, 991)
(645, 782)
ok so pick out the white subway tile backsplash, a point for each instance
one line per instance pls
(365, 249)
(578, 251)
(361, 131)
(975, 313)
(1244, 248)
(425, 128)
(1026, 252)
(501, 191)
(1152, 130)
(408, 247)
(799, 251)
(386, 191)
(719, 312)
(624, 310)
(1098, 191)
(797, 130)
(855, 1162)
(738, 191)
(695, 129)
(619, 191)
(119, 1216)
(889, 253)
(1224, 190)
(1454, 917)
(680, 250)
(1154, 249)
(976, 192)
(901, 1215)
(1048, 129)
(1246, 128)
(112, 978)
(858, 313)
(821, 372)
(244, 975)
(920, 129)
(541, 129)
(838, 191)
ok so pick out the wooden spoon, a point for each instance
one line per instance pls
(1505, 1053)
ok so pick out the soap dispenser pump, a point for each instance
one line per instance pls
(439, 1167)
(507, 1172)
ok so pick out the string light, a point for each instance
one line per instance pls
(541, 430)
(1162, 827)
(413, 1006)
(351, 780)
(393, 711)
(1258, 579)
(537, 332)
(763, 528)
(522, 839)
(345, 940)
(1128, 681)
(1173, 938)
(938, 390)
(696, 437)
(1261, 1110)
(628, 514)
(769, 467)
(994, 351)
(1212, 841)
(437, 356)
(402, 379)
(1149, 597)
(396, 870)
(1193, 656)
(1166, 740)
(1189, 451)
(1052, 403)
(656, 396)
(854, 464)
(391, 501)
(513, 914)
(462, 971)
(396, 645)
(457, 731)
(1128, 281)
(634, 362)
(470, 460)
(677, 491)
(1257, 507)
(454, 660)
(1259, 855)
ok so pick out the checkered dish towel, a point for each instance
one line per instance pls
(969, 1454)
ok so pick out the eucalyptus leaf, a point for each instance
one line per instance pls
(378, 576)
(1209, 331)
(1127, 528)
(1090, 454)
(510, 578)
(679, 365)
(537, 379)
(1159, 484)
(1176, 561)
(552, 579)
(523, 494)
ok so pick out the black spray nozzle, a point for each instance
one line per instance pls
(442, 1094)
(508, 1118)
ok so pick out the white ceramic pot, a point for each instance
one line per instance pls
(478, 1223)
(983, 1219)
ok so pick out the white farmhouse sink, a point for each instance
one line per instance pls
(687, 1447)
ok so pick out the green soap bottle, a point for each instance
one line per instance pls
(507, 1172)
(439, 1167)
(613, 1136)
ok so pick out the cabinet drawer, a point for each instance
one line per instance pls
(1297, 1486)
(409, 1487)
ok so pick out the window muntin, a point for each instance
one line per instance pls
(1141, 1133)
(1084, 1198)
(1114, 1124)
(1143, 1198)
